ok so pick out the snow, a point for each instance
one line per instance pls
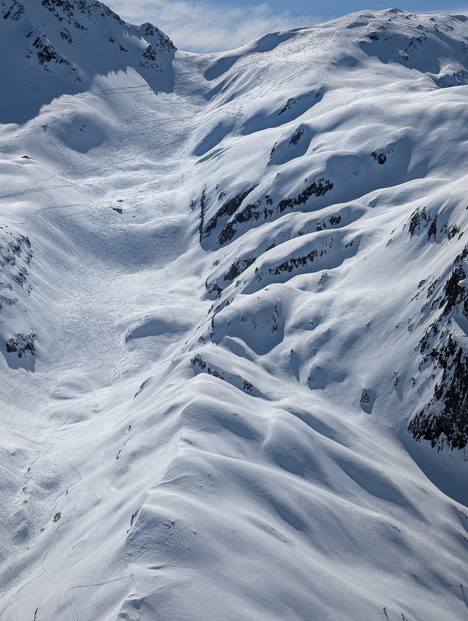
(227, 281)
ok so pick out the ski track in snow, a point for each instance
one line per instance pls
(228, 288)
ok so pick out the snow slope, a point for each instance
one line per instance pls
(233, 292)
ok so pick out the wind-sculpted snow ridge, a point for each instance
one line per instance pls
(233, 329)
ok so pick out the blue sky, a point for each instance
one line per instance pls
(215, 25)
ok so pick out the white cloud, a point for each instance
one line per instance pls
(202, 27)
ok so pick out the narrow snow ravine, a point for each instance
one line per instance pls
(109, 301)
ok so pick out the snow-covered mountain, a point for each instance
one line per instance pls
(233, 321)
(57, 47)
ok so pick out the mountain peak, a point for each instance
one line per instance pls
(59, 46)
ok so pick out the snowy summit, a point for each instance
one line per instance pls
(233, 321)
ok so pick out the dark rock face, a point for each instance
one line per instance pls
(228, 209)
(21, 344)
(47, 54)
(232, 215)
(15, 11)
(381, 158)
(15, 258)
(444, 420)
